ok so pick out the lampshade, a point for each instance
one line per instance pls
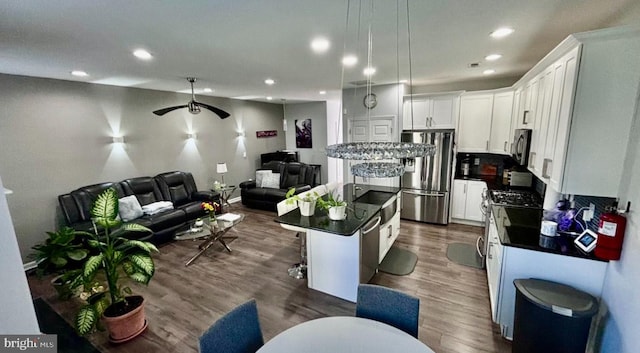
(221, 168)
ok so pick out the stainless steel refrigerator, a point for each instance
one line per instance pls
(426, 182)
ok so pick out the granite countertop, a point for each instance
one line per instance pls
(358, 213)
(520, 227)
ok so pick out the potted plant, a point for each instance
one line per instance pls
(60, 253)
(115, 258)
(336, 207)
(306, 201)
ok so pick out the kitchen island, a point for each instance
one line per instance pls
(342, 254)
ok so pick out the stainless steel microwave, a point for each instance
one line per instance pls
(520, 146)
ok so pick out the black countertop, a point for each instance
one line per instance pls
(520, 227)
(358, 213)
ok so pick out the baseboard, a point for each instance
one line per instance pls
(235, 199)
(30, 265)
(467, 222)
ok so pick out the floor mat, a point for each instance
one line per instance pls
(464, 254)
(398, 262)
(52, 323)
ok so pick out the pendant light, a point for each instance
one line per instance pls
(374, 153)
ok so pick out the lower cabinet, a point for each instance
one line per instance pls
(506, 264)
(466, 200)
(389, 231)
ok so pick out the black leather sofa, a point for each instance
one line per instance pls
(292, 175)
(177, 187)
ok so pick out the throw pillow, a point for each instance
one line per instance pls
(271, 181)
(129, 208)
(260, 176)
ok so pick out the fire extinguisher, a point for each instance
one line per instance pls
(610, 234)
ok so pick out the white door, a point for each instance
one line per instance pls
(501, 123)
(443, 112)
(473, 210)
(475, 122)
(415, 113)
(458, 198)
(382, 130)
(377, 130)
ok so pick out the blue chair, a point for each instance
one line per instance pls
(238, 331)
(389, 306)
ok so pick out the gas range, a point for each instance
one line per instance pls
(516, 198)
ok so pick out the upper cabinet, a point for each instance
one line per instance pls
(475, 122)
(485, 121)
(582, 98)
(500, 139)
(430, 111)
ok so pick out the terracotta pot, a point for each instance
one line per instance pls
(127, 326)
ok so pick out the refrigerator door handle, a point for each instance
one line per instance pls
(430, 194)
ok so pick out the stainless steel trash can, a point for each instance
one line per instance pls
(551, 317)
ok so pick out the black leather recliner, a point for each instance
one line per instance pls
(292, 175)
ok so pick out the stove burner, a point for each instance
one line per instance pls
(516, 198)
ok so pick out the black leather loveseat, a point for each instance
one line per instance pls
(292, 175)
(177, 187)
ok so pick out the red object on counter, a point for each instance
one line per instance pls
(610, 235)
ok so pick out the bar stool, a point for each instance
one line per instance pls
(299, 270)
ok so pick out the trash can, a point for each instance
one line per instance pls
(551, 317)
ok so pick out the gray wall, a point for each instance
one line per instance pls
(472, 85)
(317, 112)
(56, 136)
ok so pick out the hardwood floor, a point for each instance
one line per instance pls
(182, 302)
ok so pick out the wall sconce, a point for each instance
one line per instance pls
(240, 133)
(118, 139)
(191, 136)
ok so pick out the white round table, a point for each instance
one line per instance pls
(343, 334)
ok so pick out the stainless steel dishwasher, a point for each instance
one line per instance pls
(369, 248)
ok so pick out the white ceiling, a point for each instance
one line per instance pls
(232, 46)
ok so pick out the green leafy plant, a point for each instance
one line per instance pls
(331, 201)
(116, 258)
(292, 197)
(59, 252)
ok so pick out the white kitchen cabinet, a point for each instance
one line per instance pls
(501, 135)
(475, 122)
(507, 263)
(592, 79)
(467, 200)
(430, 112)
(389, 231)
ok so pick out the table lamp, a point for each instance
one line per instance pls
(221, 168)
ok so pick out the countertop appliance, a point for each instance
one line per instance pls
(426, 182)
(521, 145)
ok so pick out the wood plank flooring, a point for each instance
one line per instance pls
(182, 302)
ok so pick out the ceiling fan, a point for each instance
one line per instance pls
(193, 106)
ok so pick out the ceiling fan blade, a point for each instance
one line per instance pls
(164, 111)
(221, 113)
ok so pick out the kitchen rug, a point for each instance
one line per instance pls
(398, 262)
(464, 254)
(52, 323)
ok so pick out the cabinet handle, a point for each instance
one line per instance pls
(465, 188)
(525, 115)
(489, 251)
(505, 146)
(487, 144)
(532, 156)
(546, 166)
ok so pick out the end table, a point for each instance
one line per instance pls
(225, 192)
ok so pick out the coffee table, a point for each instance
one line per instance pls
(225, 222)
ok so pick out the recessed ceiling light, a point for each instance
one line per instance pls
(492, 57)
(142, 54)
(269, 98)
(368, 71)
(489, 72)
(320, 45)
(208, 90)
(269, 81)
(501, 32)
(323, 92)
(349, 60)
(79, 73)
